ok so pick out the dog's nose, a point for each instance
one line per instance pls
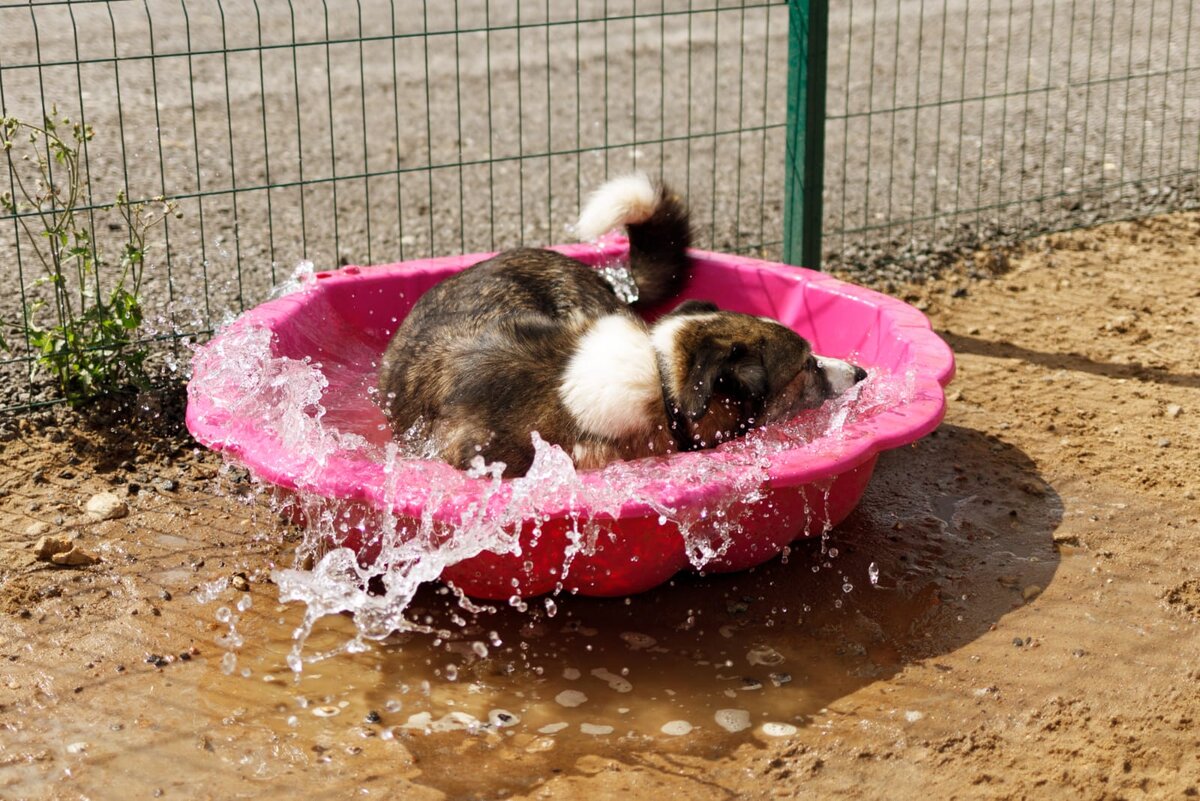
(860, 374)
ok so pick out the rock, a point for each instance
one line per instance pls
(76, 557)
(1031, 592)
(240, 583)
(167, 485)
(1174, 410)
(106, 506)
(37, 529)
(46, 548)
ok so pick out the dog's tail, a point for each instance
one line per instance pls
(656, 220)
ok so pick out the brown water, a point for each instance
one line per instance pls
(718, 661)
(780, 646)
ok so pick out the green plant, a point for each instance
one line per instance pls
(89, 344)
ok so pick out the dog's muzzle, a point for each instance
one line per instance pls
(839, 374)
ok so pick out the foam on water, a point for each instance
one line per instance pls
(320, 411)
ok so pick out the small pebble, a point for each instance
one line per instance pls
(373, 717)
(75, 557)
(46, 547)
(502, 719)
(240, 583)
(1031, 592)
(780, 679)
(1174, 410)
(106, 506)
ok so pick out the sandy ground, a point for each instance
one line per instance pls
(1035, 630)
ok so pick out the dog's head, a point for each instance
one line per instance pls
(724, 373)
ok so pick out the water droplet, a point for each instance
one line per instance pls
(873, 574)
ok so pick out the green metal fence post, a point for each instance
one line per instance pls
(804, 160)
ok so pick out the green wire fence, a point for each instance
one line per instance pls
(365, 131)
(953, 124)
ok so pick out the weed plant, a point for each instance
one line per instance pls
(84, 335)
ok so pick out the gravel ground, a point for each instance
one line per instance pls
(952, 126)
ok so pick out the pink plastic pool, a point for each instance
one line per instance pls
(342, 322)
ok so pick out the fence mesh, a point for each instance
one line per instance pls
(958, 123)
(370, 131)
(362, 132)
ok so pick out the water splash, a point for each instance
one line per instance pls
(371, 564)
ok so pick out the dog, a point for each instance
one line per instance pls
(531, 340)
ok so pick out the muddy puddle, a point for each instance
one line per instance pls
(699, 666)
(499, 700)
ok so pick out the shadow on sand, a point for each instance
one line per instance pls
(955, 529)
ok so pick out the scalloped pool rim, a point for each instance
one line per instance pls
(340, 478)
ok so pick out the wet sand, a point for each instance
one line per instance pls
(1032, 633)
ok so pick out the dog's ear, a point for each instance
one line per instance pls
(712, 364)
(694, 307)
(753, 378)
(706, 363)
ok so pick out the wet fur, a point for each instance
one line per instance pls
(502, 349)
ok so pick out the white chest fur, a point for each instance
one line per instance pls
(612, 379)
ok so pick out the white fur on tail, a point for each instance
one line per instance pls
(612, 379)
(630, 199)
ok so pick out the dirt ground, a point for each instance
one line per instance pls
(1034, 633)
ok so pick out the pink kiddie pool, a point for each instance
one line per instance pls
(615, 531)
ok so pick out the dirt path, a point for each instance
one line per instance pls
(1035, 631)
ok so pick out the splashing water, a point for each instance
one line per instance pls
(371, 563)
